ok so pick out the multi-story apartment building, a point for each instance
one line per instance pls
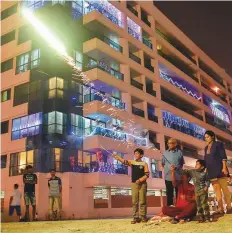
(147, 82)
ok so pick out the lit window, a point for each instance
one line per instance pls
(26, 126)
(56, 87)
(5, 95)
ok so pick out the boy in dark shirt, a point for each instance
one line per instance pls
(29, 180)
(201, 184)
(140, 173)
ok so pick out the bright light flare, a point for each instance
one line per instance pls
(44, 32)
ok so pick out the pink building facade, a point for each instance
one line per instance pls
(147, 82)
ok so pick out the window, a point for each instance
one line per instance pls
(5, 95)
(78, 58)
(26, 126)
(28, 61)
(62, 2)
(57, 158)
(8, 37)
(155, 169)
(33, 4)
(56, 88)
(19, 161)
(24, 33)
(3, 161)
(9, 11)
(21, 94)
(4, 127)
(56, 122)
(6, 65)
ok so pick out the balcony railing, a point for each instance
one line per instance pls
(111, 43)
(179, 65)
(147, 43)
(91, 6)
(145, 20)
(151, 92)
(133, 33)
(134, 58)
(175, 45)
(136, 84)
(131, 9)
(152, 117)
(101, 65)
(149, 67)
(181, 107)
(137, 111)
(109, 100)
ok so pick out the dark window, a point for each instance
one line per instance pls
(3, 161)
(21, 94)
(6, 65)
(27, 61)
(4, 127)
(5, 95)
(8, 12)
(23, 34)
(7, 37)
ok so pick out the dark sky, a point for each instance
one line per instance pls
(208, 24)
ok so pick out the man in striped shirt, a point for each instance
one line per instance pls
(55, 188)
(140, 173)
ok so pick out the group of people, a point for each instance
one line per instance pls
(190, 199)
(30, 180)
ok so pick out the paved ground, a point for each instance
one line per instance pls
(223, 225)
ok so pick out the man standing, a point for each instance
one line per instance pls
(55, 188)
(172, 156)
(29, 180)
(140, 173)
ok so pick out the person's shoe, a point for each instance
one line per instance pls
(144, 220)
(175, 221)
(229, 211)
(135, 220)
(182, 221)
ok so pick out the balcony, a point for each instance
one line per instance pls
(149, 67)
(134, 58)
(145, 18)
(117, 135)
(180, 65)
(103, 66)
(147, 43)
(133, 33)
(109, 100)
(104, 10)
(131, 9)
(218, 123)
(111, 43)
(152, 117)
(151, 92)
(175, 45)
(137, 111)
(181, 106)
(136, 84)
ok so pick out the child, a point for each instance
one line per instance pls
(15, 201)
(201, 184)
(140, 173)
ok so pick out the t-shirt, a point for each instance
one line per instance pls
(54, 186)
(29, 188)
(16, 198)
(172, 157)
(137, 169)
(183, 193)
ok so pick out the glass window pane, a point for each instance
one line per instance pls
(31, 131)
(38, 118)
(51, 118)
(16, 124)
(51, 128)
(60, 83)
(52, 83)
(23, 133)
(23, 123)
(37, 130)
(22, 160)
(59, 118)
(59, 129)
(30, 157)
(31, 120)
(15, 135)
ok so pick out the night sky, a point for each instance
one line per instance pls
(207, 24)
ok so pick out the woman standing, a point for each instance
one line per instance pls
(215, 158)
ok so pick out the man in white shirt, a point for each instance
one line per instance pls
(15, 201)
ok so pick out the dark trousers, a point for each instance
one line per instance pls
(187, 211)
(170, 192)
